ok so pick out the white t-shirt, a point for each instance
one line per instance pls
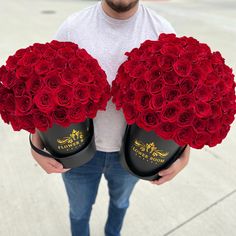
(107, 39)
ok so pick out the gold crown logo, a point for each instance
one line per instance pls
(150, 148)
(74, 136)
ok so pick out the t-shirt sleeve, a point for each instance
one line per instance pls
(168, 28)
(62, 33)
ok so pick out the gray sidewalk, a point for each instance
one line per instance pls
(200, 201)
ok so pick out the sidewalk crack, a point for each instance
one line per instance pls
(199, 213)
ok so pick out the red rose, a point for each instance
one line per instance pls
(130, 95)
(170, 111)
(155, 86)
(182, 67)
(187, 101)
(219, 70)
(216, 109)
(15, 123)
(156, 102)
(155, 73)
(9, 102)
(66, 52)
(24, 72)
(203, 93)
(165, 63)
(228, 101)
(34, 84)
(82, 94)
(11, 63)
(91, 109)
(42, 67)
(21, 52)
(45, 84)
(52, 80)
(3, 93)
(26, 123)
(166, 130)
(203, 109)
(30, 59)
(204, 51)
(170, 93)
(102, 104)
(149, 120)
(95, 93)
(186, 86)
(186, 117)
(223, 131)
(198, 74)
(129, 113)
(213, 125)
(216, 58)
(170, 50)
(83, 54)
(68, 77)
(221, 88)
(49, 54)
(44, 101)
(59, 63)
(60, 116)
(19, 88)
(38, 47)
(41, 120)
(167, 37)
(56, 45)
(138, 72)
(118, 99)
(200, 140)
(142, 100)
(5, 116)
(184, 135)
(7, 77)
(85, 77)
(77, 113)
(23, 105)
(170, 78)
(228, 118)
(211, 79)
(206, 66)
(64, 96)
(199, 124)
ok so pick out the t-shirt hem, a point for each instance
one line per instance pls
(104, 149)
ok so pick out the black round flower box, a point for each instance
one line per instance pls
(144, 153)
(72, 146)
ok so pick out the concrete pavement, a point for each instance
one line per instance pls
(200, 201)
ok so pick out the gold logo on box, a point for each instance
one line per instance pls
(74, 140)
(149, 152)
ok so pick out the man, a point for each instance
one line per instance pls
(106, 30)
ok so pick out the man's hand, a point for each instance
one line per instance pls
(174, 169)
(50, 165)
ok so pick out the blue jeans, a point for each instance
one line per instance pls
(82, 184)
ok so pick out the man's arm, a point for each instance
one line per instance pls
(50, 165)
(174, 169)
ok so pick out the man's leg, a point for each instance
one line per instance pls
(120, 184)
(81, 186)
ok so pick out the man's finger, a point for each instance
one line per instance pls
(164, 179)
(170, 170)
(55, 164)
(55, 170)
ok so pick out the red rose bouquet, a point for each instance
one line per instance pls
(52, 83)
(178, 88)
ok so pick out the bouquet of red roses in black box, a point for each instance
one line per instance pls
(174, 92)
(55, 88)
